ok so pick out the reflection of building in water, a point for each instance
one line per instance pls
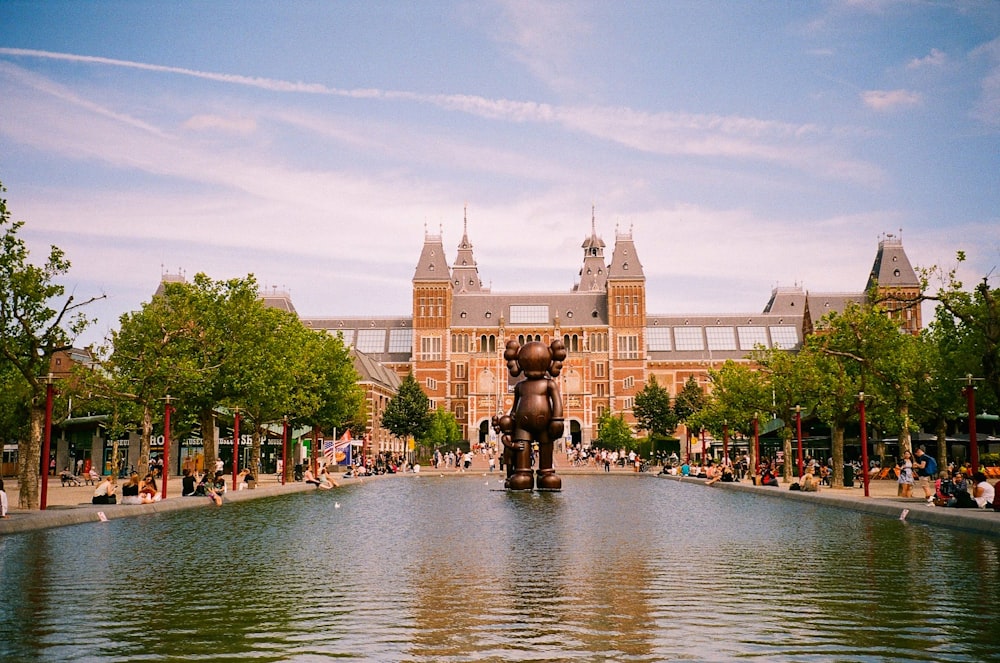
(453, 339)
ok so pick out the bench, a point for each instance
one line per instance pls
(70, 479)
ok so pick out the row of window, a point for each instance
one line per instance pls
(781, 337)
(658, 339)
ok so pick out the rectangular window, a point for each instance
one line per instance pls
(529, 314)
(459, 370)
(400, 340)
(628, 347)
(430, 348)
(658, 339)
(600, 389)
(599, 369)
(628, 382)
(627, 403)
(751, 337)
(371, 341)
(431, 383)
(720, 338)
(460, 390)
(784, 338)
(598, 342)
(689, 338)
(347, 335)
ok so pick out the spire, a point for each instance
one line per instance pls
(594, 273)
(465, 274)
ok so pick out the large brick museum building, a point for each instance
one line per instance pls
(453, 338)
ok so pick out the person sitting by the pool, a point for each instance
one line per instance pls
(105, 491)
(245, 480)
(983, 493)
(961, 498)
(767, 477)
(325, 480)
(148, 493)
(308, 477)
(809, 483)
(130, 490)
(188, 485)
(685, 469)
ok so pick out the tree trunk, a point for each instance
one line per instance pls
(29, 461)
(837, 452)
(941, 430)
(145, 439)
(207, 419)
(905, 441)
(255, 451)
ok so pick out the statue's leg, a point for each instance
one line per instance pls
(547, 479)
(521, 477)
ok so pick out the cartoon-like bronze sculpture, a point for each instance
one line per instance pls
(536, 416)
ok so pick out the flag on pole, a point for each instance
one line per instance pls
(342, 449)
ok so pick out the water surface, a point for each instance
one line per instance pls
(625, 568)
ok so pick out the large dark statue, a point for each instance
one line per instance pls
(536, 416)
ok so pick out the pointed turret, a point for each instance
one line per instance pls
(894, 285)
(432, 265)
(624, 261)
(594, 273)
(464, 273)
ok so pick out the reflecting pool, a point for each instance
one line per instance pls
(429, 568)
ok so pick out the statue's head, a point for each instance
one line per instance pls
(535, 359)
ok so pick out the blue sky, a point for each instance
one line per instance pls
(744, 145)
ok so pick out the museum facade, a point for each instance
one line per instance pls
(453, 338)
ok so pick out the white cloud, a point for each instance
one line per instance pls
(935, 58)
(987, 108)
(890, 100)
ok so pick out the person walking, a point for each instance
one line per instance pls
(926, 468)
(904, 473)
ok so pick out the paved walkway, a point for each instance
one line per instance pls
(68, 505)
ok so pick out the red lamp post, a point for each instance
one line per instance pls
(798, 431)
(864, 441)
(970, 397)
(756, 445)
(725, 444)
(236, 444)
(167, 409)
(284, 448)
(46, 442)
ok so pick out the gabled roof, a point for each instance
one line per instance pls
(892, 268)
(572, 308)
(624, 260)
(371, 370)
(432, 266)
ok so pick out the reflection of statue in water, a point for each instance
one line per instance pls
(536, 416)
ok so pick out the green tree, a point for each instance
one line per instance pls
(688, 403)
(33, 327)
(977, 320)
(408, 413)
(858, 351)
(739, 393)
(613, 432)
(443, 431)
(652, 410)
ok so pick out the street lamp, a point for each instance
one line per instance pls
(756, 444)
(167, 409)
(725, 444)
(970, 397)
(284, 448)
(798, 430)
(864, 441)
(236, 444)
(47, 441)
